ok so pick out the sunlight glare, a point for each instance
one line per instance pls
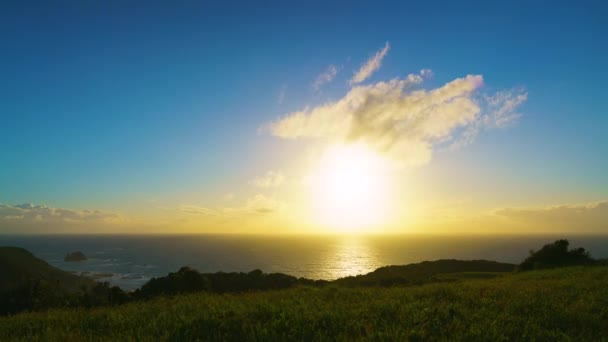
(351, 188)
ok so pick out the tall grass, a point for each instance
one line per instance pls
(560, 304)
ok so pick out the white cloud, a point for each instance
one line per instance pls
(394, 117)
(325, 77)
(370, 66)
(271, 179)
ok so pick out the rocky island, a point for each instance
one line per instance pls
(75, 256)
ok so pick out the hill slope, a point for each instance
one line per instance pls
(190, 280)
(28, 283)
(424, 272)
(18, 265)
(561, 304)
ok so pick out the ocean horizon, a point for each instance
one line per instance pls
(129, 261)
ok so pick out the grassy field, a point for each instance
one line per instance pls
(562, 304)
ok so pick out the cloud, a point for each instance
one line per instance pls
(28, 213)
(503, 106)
(193, 209)
(576, 217)
(271, 179)
(258, 204)
(262, 204)
(14, 217)
(282, 93)
(393, 117)
(427, 73)
(404, 121)
(499, 111)
(325, 77)
(370, 66)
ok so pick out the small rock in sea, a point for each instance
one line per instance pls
(101, 275)
(75, 256)
(131, 277)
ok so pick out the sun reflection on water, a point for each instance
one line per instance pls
(351, 256)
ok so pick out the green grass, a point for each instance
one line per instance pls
(561, 304)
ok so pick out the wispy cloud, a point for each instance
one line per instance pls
(198, 210)
(29, 217)
(370, 66)
(271, 179)
(281, 95)
(582, 218)
(31, 212)
(585, 218)
(427, 73)
(258, 204)
(325, 77)
(263, 204)
(566, 213)
(503, 107)
(499, 110)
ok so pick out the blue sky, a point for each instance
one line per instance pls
(108, 106)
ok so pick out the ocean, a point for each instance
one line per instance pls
(131, 260)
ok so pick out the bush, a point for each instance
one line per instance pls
(183, 281)
(556, 255)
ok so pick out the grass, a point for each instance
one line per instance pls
(560, 304)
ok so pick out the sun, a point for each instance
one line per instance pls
(351, 189)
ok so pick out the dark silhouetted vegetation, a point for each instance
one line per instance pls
(422, 273)
(554, 255)
(189, 280)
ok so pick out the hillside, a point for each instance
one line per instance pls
(28, 283)
(559, 304)
(187, 279)
(18, 265)
(425, 272)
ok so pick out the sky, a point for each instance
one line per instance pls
(234, 117)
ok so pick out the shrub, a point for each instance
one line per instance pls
(555, 255)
